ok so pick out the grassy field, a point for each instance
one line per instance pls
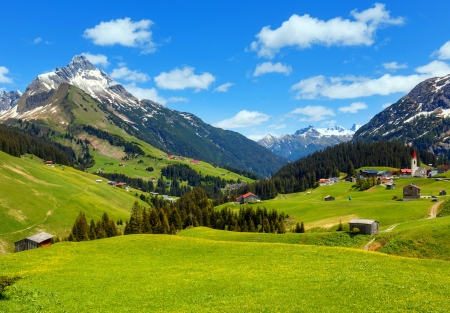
(158, 273)
(35, 197)
(374, 203)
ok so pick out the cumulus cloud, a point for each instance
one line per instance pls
(126, 74)
(304, 31)
(348, 87)
(3, 78)
(179, 79)
(353, 108)
(384, 106)
(243, 118)
(312, 113)
(269, 67)
(392, 66)
(224, 87)
(123, 32)
(444, 52)
(144, 93)
(97, 59)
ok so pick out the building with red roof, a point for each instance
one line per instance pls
(248, 197)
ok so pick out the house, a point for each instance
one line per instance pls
(329, 198)
(432, 173)
(248, 197)
(411, 192)
(367, 174)
(405, 172)
(49, 163)
(39, 240)
(196, 162)
(442, 193)
(365, 226)
(390, 186)
(121, 185)
(421, 172)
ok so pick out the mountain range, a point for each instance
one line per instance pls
(8, 99)
(306, 141)
(48, 100)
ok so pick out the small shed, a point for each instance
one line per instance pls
(411, 192)
(39, 240)
(442, 193)
(365, 226)
(248, 197)
(329, 198)
(390, 186)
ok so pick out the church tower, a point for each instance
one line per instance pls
(414, 165)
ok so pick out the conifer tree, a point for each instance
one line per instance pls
(80, 230)
(92, 234)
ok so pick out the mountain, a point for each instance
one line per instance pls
(420, 118)
(306, 141)
(169, 130)
(8, 99)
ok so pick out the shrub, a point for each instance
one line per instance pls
(355, 230)
(6, 281)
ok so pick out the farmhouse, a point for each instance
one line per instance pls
(49, 163)
(367, 174)
(411, 192)
(329, 198)
(39, 240)
(196, 162)
(247, 197)
(366, 227)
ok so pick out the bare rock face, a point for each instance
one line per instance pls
(8, 99)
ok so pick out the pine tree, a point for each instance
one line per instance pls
(80, 230)
(92, 234)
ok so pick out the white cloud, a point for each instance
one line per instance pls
(37, 40)
(177, 99)
(97, 59)
(256, 137)
(3, 78)
(179, 79)
(269, 67)
(243, 118)
(123, 32)
(224, 87)
(384, 106)
(312, 113)
(392, 66)
(277, 126)
(348, 87)
(304, 31)
(126, 74)
(444, 52)
(353, 108)
(143, 93)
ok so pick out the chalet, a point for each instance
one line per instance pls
(248, 197)
(363, 174)
(411, 192)
(366, 227)
(196, 162)
(442, 193)
(405, 172)
(390, 186)
(329, 198)
(39, 240)
(49, 163)
(421, 172)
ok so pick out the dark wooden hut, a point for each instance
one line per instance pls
(39, 240)
(366, 227)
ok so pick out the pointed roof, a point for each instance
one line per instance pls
(414, 156)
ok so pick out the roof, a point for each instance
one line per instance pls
(362, 221)
(370, 171)
(40, 237)
(414, 156)
(412, 185)
(248, 194)
(405, 170)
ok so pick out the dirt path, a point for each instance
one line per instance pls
(434, 209)
(366, 247)
(390, 228)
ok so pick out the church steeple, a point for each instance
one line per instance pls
(414, 165)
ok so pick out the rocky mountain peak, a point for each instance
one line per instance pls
(8, 99)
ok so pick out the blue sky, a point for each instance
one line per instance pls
(255, 67)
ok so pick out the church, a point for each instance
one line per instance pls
(417, 171)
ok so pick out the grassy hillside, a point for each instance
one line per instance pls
(35, 197)
(157, 273)
(374, 203)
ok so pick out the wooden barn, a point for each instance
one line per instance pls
(411, 192)
(39, 240)
(366, 227)
(329, 198)
(248, 197)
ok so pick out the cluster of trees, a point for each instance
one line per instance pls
(114, 140)
(195, 209)
(104, 228)
(366, 183)
(138, 183)
(15, 143)
(242, 172)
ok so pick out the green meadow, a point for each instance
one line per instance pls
(161, 273)
(35, 197)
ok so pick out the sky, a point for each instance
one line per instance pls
(254, 67)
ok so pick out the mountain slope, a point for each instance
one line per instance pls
(172, 131)
(306, 141)
(8, 99)
(422, 117)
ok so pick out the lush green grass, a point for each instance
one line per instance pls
(35, 197)
(157, 273)
(375, 203)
